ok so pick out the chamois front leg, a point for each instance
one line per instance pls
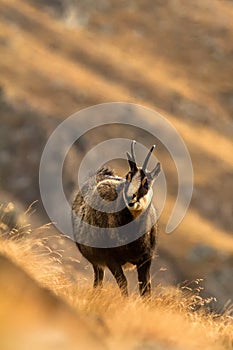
(98, 276)
(118, 273)
(143, 269)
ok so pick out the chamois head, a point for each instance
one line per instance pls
(138, 185)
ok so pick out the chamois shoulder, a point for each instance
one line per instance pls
(108, 184)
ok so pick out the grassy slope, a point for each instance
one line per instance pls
(171, 320)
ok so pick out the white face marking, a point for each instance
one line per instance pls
(140, 206)
(134, 184)
(145, 200)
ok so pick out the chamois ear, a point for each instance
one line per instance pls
(132, 164)
(153, 174)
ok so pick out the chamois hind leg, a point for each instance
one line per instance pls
(98, 276)
(143, 269)
(118, 273)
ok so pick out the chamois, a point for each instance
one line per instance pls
(132, 202)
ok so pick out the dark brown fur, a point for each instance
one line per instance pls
(139, 252)
(131, 199)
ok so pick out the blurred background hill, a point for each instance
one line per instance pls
(175, 56)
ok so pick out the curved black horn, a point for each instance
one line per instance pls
(147, 158)
(155, 172)
(132, 151)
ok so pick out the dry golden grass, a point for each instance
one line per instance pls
(173, 318)
(167, 321)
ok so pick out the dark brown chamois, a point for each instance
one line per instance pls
(125, 234)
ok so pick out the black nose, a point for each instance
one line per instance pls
(131, 204)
